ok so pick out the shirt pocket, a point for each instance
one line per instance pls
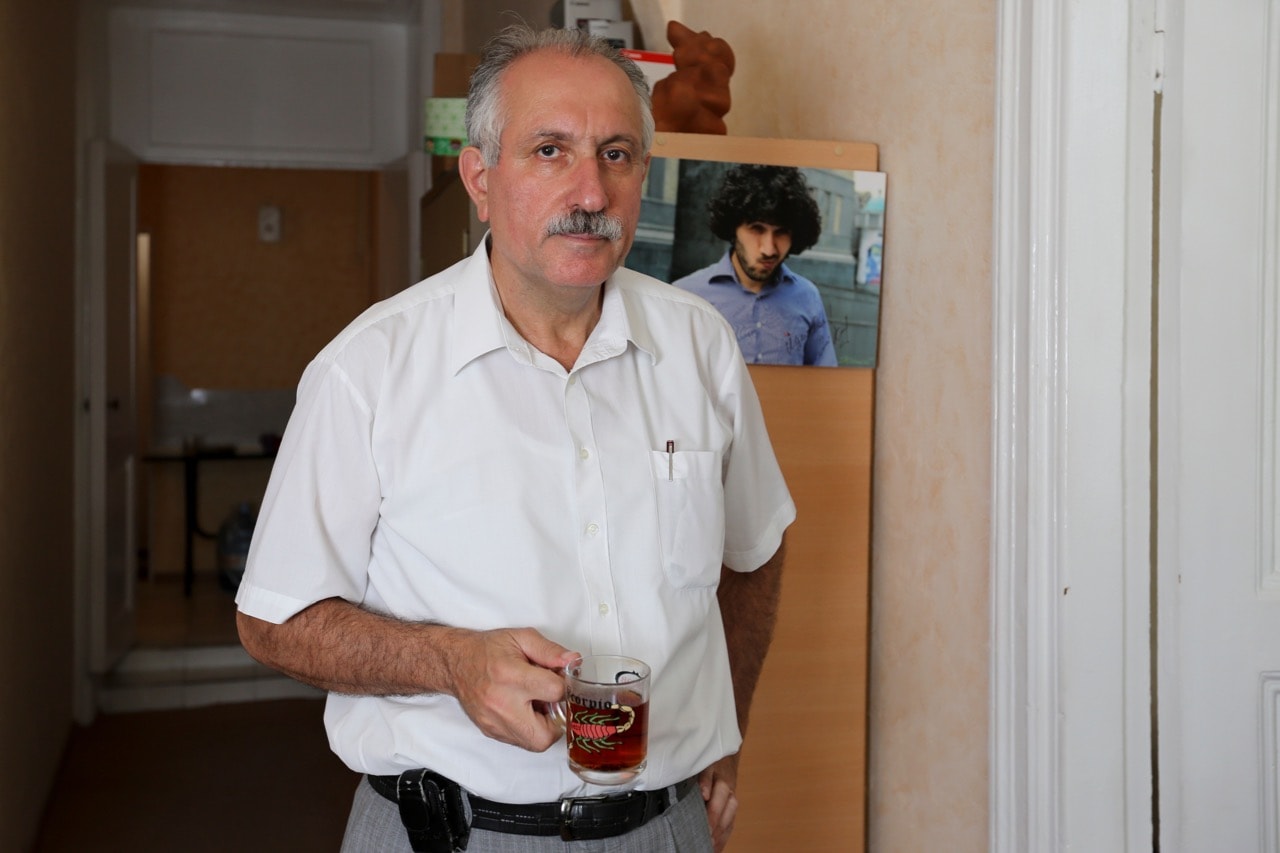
(690, 498)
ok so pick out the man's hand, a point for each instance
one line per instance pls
(502, 679)
(718, 783)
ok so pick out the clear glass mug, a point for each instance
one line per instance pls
(605, 716)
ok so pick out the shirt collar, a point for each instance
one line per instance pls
(477, 312)
(480, 327)
(622, 322)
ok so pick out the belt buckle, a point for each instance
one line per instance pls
(568, 812)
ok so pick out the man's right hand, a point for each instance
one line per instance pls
(502, 678)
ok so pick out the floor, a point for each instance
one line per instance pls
(168, 619)
(181, 760)
(244, 777)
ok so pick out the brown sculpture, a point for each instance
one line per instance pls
(695, 97)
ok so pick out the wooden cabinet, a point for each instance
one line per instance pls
(802, 779)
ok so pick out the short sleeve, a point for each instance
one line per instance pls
(758, 505)
(312, 538)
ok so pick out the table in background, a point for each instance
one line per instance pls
(191, 459)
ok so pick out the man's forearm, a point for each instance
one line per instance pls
(499, 677)
(749, 608)
(337, 646)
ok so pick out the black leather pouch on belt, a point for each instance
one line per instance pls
(433, 812)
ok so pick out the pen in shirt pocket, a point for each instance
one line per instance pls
(671, 460)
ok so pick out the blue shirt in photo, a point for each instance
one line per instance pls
(785, 323)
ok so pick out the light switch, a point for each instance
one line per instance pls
(269, 223)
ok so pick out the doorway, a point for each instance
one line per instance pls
(243, 275)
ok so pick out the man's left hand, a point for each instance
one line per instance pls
(718, 783)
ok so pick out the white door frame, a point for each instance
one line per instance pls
(1070, 730)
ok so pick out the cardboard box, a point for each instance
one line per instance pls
(621, 34)
(578, 12)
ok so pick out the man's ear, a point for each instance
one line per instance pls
(475, 177)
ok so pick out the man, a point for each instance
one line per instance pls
(531, 456)
(766, 214)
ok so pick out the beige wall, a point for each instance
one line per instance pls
(37, 398)
(917, 78)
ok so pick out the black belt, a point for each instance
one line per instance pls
(573, 818)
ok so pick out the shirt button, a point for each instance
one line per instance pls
(604, 609)
(593, 529)
(583, 453)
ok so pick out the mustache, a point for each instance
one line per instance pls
(586, 223)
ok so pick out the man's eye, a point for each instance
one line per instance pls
(548, 151)
(616, 155)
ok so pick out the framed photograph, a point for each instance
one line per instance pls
(785, 237)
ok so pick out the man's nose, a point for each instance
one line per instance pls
(588, 187)
(768, 245)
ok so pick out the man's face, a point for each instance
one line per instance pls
(758, 250)
(571, 143)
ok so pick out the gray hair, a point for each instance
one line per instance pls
(485, 110)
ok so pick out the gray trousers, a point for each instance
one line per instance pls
(374, 827)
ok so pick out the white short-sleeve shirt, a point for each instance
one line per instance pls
(438, 467)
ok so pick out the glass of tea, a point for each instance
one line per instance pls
(606, 718)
